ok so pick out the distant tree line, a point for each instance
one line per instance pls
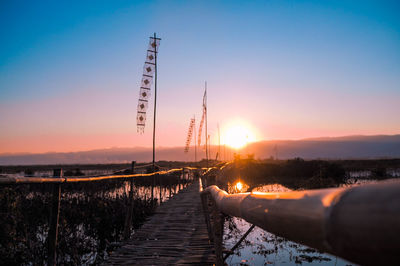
(296, 173)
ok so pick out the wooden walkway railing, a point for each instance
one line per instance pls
(58, 180)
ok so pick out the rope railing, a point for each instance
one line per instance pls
(360, 224)
(58, 180)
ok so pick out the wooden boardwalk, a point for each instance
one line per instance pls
(176, 234)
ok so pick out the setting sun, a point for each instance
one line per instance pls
(237, 136)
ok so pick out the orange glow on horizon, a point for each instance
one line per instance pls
(237, 135)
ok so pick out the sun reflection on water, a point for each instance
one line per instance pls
(239, 185)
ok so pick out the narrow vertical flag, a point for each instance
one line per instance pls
(189, 136)
(147, 81)
(202, 118)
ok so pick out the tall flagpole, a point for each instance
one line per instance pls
(219, 145)
(205, 109)
(195, 140)
(155, 101)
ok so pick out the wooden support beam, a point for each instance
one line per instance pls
(54, 217)
(182, 178)
(129, 211)
(160, 183)
(218, 231)
(204, 203)
(240, 241)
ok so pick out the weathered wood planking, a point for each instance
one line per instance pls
(175, 234)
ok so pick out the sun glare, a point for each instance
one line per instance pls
(237, 136)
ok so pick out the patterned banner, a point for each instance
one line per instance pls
(202, 118)
(189, 136)
(147, 81)
(201, 128)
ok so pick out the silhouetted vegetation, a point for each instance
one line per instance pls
(12, 169)
(379, 173)
(77, 172)
(29, 172)
(92, 217)
(294, 174)
(298, 173)
(359, 165)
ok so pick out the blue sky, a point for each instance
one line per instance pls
(289, 69)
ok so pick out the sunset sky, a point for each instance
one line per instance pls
(70, 71)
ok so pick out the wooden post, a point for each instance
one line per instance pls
(204, 201)
(153, 185)
(182, 178)
(152, 190)
(129, 212)
(217, 226)
(133, 167)
(54, 217)
(159, 178)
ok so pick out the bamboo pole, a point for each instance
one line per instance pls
(206, 131)
(155, 101)
(195, 140)
(360, 224)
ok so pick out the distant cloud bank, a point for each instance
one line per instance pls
(360, 147)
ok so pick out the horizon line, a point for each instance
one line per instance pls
(171, 147)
